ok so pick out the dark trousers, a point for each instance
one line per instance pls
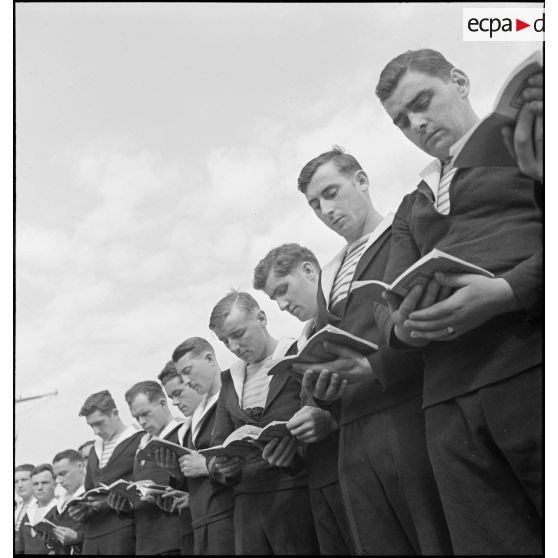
(120, 542)
(215, 539)
(274, 523)
(330, 520)
(388, 486)
(486, 451)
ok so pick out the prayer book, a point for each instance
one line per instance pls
(420, 273)
(44, 527)
(482, 146)
(313, 351)
(246, 439)
(156, 443)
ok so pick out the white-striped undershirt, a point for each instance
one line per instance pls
(443, 199)
(108, 448)
(345, 274)
(256, 385)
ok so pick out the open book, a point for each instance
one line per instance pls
(88, 498)
(148, 488)
(313, 351)
(482, 146)
(44, 526)
(246, 439)
(420, 273)
(156, 443)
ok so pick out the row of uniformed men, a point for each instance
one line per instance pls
(431, 445)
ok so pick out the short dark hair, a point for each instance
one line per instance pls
(424, 60)
(223, 308)
(151, 389)
(194, 345)
(41, 468)
(101, 401)
(24, 467)
(85, 444)
(345, 163)
(168, 373)
(69, 454)
(281, 261)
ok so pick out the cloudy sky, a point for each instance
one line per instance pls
(158, 148)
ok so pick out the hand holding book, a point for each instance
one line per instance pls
(349, 367)
(280, 452)
(476, 300)
(193, 465)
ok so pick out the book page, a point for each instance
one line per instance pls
(247, 431)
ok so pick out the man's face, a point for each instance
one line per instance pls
(43, 487)
(152, 416)
(431, 112)
(295, 292)
(69, 474)
(181, 395)
(341, 202)
(23, 484)
(244, 334)
(104, 426)
(197, 371)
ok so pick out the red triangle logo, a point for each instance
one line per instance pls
(519, 25)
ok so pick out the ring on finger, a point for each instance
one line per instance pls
(451, 330)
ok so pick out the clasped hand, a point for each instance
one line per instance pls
(166, 459)
(429, 314)
(311, 424)
(193, 465)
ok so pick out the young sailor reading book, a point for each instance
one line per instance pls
(157, 530)
(273, 481)
(384, 472)
(69, 470)
(195, 367)
(110, 459)
(289, 275)
(482, 345)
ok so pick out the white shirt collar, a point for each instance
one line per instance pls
(166, 430)
(206, 404)
(431, 175)
(306, 333)
(169, 428)
(128, 432)
(238, 368)
(63, 502)
(36, 513)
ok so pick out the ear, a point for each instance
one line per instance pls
(461, 82)
(209, 357)
(309, 271)
(361, 178)
(262, 318)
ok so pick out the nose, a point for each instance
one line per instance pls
(96, 431)
(417, 122)
(327, 207)
(233, 345)
(175, 401)
(282, 303)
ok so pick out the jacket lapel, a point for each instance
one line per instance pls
(284, 347)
